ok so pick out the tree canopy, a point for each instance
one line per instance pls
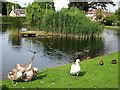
(7, 7)
(86, 6)
(36, 11)
(43, 5)
(117, 12)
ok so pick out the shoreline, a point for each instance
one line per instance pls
(113, 27)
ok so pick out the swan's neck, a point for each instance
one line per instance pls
(77, 63)
(30, 64)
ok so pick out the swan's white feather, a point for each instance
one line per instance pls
(75, 68)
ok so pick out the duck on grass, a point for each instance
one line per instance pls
(91, 75)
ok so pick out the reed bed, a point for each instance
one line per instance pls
(71, 21)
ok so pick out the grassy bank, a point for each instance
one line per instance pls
(92, 75)
(112, 27)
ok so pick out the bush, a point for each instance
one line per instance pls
(9, 19)
(110, 19)
(108, 23)
(118, 23)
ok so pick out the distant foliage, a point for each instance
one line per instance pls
(7, 7)
(108, 20)
(9, 19)
(36, 11)
(118, 23)
(71, 21)
(117, 12)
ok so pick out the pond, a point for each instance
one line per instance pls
(52, 52)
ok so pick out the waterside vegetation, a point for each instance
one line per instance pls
(112, 27)
(73, 21)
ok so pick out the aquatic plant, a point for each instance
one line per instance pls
(71, 21)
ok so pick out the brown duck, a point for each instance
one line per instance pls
(114, 61)
(101, 62)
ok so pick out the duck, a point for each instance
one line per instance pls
(75, 68)
(86, 51)
(114, 61)
(23, 67)
(101, 62)
(14, 75)
(88, 57)
(78, 52)
(28, 74)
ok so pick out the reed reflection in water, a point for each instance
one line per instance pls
(52, 52)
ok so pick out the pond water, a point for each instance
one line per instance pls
(52, 52)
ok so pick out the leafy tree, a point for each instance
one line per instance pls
(4, 9)
(34, 14)
(117, 12)
(8, 6)
(36, 11)
(93, 5)
(99, 14)
(43, 5)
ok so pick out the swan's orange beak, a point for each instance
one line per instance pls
(78, 63)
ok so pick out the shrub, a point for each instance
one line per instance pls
(9, 19)
(110, 19)
(118, 23)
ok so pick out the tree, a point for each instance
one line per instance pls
(117, 13)
(43, 5)
(34, 13)
(86, 6)
(7, 7)
(99, 14)
(4, 9)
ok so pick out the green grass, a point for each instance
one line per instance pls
(112, 27)
(92, 75)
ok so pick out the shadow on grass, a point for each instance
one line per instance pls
(80, 73)
(4, 87)
(34, 78)
(39, 77)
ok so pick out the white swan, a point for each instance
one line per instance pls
(75, 68)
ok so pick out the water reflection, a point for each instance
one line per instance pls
(57, 47)
(15, 39)
(52, 52)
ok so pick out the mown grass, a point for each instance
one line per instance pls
(92, 75)
(112, 27)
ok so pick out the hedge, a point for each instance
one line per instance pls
(10, 19)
